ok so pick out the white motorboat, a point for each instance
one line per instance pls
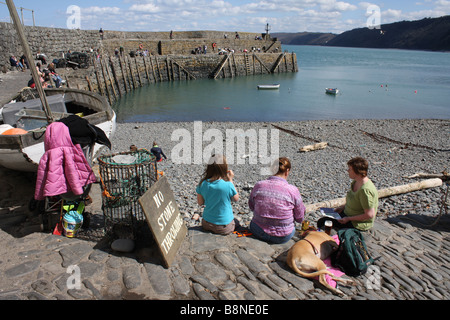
(332, 90)
(268, 86)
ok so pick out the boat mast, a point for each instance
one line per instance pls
(27, 52)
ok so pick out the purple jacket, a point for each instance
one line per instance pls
(63, 167)
(276, 204)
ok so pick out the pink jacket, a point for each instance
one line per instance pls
(63, 167)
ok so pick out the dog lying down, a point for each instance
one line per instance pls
(305, 258)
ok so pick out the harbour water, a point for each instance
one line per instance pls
(372, 83)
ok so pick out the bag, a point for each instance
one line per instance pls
(352, 256)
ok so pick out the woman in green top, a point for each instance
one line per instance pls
(361, 204)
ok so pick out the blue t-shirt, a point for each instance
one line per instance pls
(217, 195)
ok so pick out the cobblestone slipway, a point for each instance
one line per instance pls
(414, 262)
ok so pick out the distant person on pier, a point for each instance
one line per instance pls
(23, 60)
(15, 63)
(39, 69)
(216, 190)
(42, 57)
(54, 75)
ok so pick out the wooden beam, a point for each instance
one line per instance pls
(280, 58)
(187, 72)
(111, 63)
(222, 64)
(123, 74)
(146, 70)
(312, 147)
(430, 183)
(110, 81)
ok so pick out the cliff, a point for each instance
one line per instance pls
(304, 38)
(426, 34)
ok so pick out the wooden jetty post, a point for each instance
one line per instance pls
(132, 74)
(110, 81)
(97, 75)
(146, 70)
(113, 69)
(137, 70)
(106, 84)
(122, 69)
(153, 69)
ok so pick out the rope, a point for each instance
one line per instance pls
(441, 211)
(380, 138)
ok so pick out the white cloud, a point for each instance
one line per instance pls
(145, 8)
(101, 10)
(392, 14)
(283, 15)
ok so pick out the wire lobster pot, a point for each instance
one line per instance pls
(125, 177)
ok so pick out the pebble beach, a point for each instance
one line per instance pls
(321, 175)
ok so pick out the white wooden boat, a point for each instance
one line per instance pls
(22, 152)
(332, 91)
(268, 86)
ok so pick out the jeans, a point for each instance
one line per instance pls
(260, 234)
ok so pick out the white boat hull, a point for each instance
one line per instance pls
(268, 86)
(26, 158)
(331, 91)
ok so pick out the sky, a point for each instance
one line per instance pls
(334, 16)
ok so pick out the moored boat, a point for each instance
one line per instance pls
(268, 86)
(22, 152)
(332, 91)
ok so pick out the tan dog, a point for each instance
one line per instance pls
(305, 257)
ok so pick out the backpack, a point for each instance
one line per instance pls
(352, 256)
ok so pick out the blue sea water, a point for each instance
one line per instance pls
(373, 84)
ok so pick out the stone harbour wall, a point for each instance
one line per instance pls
(53, 41)
(50, 41)
(170, 58)
(188, 46)
(113, 76)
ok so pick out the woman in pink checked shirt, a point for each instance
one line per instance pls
(276, 204)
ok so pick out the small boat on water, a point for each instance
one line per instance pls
(268, 86)
(23, 149)
(332, 90)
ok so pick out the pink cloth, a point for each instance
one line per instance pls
(63, 167)
(336, 271)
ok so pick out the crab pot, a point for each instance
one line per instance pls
(125, 177)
